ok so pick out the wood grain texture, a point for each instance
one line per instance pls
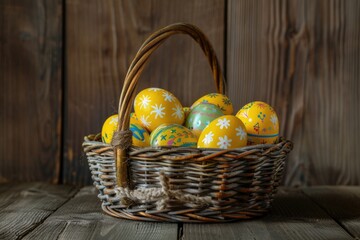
(102, 37)
(302, 57)
(293, 216)
(342, 203)
(30, 89)
(24, 206)
(82, 218)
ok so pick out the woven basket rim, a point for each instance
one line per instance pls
(186, 150)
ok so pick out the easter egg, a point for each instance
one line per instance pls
(200, 116)
(220, 100)
(108, 128)
(224, 132)
(134, 119)
(156, 106)
(261, 122)
(174, 135)
(140, 137)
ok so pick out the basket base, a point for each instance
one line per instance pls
(185, 216)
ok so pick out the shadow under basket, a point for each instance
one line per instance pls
(177, 184)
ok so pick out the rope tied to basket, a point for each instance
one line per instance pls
(122, 139)
(161, 196)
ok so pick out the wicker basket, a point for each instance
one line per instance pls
(181, 184)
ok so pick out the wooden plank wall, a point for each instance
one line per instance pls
(30, 92)
(62, 63)
(303, 57)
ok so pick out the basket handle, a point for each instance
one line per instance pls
(137, 66)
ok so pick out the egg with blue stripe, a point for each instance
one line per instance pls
(140, 137)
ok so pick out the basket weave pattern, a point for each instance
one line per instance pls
(182, 184)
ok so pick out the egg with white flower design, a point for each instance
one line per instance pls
(109, 127)
(156, 106)
(226, 132)
(261, 122)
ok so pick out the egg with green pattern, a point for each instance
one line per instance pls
(261, 122)
(174, 135)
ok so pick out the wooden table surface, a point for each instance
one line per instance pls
(45, 211)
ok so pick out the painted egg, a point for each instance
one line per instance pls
(108, 128)
(201, 116)
(224, 132)
(140, 138)
(156, 106)
(220, 100)
(261, 122)
(134, 119)
(174, 135)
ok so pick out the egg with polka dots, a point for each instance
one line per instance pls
(156, 106)
(226, 132)
(261, 122)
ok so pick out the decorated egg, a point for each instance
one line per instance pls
(172, 135)
(156, 106)
(224, 132)
(134, 119)
(220, 100)
(261, 122)
(109, 127)
(140, 137)
(200, 116)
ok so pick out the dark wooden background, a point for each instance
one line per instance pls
(62, 63)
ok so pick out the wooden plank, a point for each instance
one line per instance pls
(302, 57)
(340, 202)
(82, 218)
(293, 216)
(103, 37)
(30, 89)
(24, 206)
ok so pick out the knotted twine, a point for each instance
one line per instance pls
(122, 139)
(161, 196)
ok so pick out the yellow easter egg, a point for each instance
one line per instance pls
(140, 137)
(108, 128)
(156, 106)
(224, 132)
(134, 119)
(173, 135)
(220, 100)
(261, 122)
